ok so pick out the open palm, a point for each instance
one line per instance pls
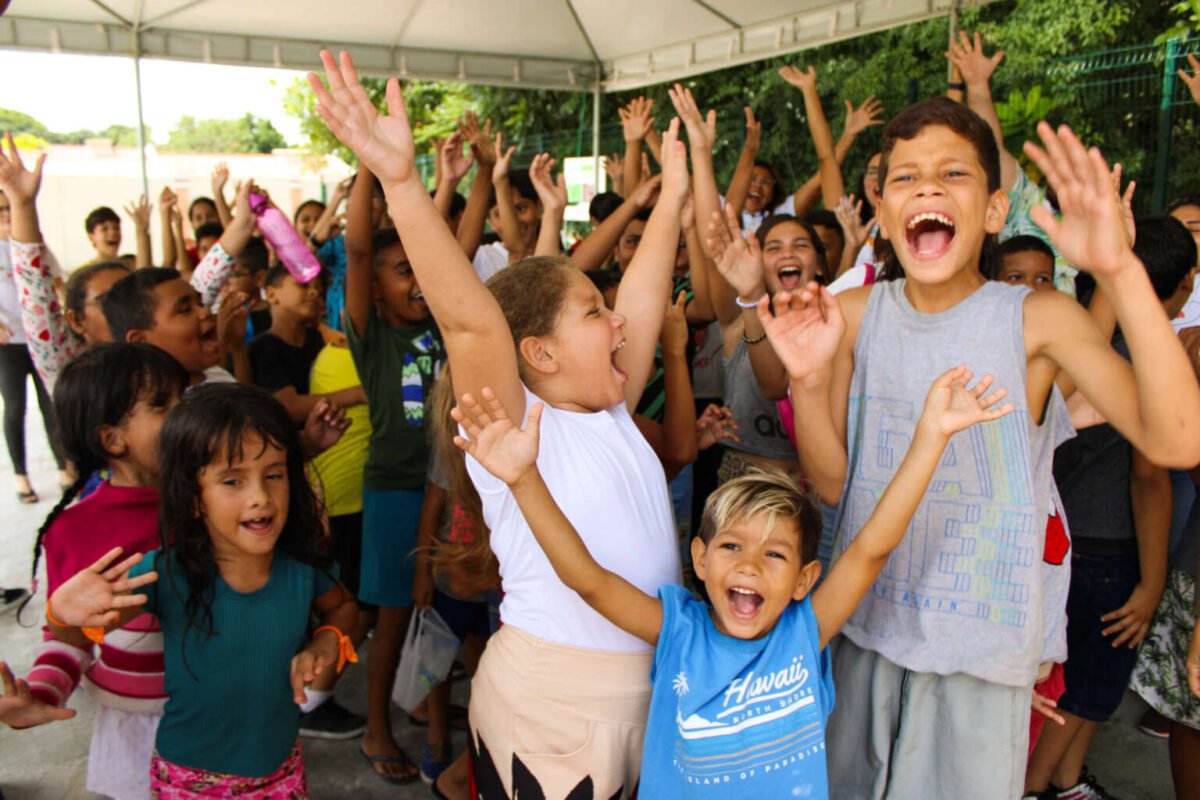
(805, 331)
(383, 142)
(95, 595)
(20, 184)
(494, 440)
(951, 407)
(738, 258)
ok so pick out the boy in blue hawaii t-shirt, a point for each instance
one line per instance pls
(741, 686)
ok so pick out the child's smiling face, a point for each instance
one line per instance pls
(936, 208)
(751, 578)
(244, 499)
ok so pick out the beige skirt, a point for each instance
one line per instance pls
(547, 719)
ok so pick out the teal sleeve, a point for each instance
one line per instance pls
(147, 564)
(324, 579)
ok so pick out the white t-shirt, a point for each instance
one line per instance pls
(489, 259)
(850, 279)
(611, 486)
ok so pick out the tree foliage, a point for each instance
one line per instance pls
(899, 66)
(246, 134)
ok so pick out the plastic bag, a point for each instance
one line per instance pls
(429, 650)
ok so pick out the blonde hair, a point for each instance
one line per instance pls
(767, 491)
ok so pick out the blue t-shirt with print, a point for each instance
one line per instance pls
(736, 717)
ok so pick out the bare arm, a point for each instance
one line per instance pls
(832, 186)
(679, 412)
(220, 175)
(700, 309)
(452, 167)
(636, 123)
(739, 184)
(857, 120)
(470, 228)
(977, 69)
(553, 196)
(475, 331)
(167, 201)
(645, 288)
(509, 226)
(323, 227)
(598, 245)
(358, 252)
(299, 406)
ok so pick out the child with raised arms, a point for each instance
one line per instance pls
(939, 661)
(238, 576)
(111, 401)
(561, 694)
(741, 687)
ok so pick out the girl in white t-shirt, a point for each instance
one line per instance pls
(561, 695)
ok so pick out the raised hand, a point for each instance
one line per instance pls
(804, 80)
(383, 142)
(1193, 80)
(968, 56)
(20, 184)
(1127, 221)
(94, 596)
(646, 194)
(233, 310)
(166, 201)
(753, 130)
(614, 165)
(715, 425)
(19, 708)
(805, 331)
(139, 211)
(674, 335)
(701, 130)
(453, 163)
(1090, 233)
(636, 120)
(738, 258)
(503, 160)
(480, 138)
(220, 176)
(849, 217)
(494, 440)
(552, 193)
(863, 117)
(676, 182)
(951, 407)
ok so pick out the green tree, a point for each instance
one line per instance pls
(247, 134)
(15, 122)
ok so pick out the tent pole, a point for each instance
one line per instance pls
(600, 182)
(953, 35)
(141, 125)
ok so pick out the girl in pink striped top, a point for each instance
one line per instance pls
(111, 401)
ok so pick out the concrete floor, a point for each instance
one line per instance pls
(49, 763)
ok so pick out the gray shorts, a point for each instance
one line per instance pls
(896, 734)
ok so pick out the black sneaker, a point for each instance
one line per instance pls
(10, 598)
(331, 721)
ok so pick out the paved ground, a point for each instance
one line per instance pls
(49, 763)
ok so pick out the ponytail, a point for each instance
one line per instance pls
(68, 497)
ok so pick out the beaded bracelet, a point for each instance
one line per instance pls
(755, 340)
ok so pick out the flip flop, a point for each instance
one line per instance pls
(27, 498)
(400, 760)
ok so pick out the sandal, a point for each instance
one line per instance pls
(400, 760)
(27, 498)
(434, 761)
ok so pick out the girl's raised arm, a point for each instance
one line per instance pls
(476, 334)
(646, 286)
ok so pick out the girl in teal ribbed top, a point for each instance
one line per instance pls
(237, 577)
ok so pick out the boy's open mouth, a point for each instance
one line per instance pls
(743, 602)
(929, 234)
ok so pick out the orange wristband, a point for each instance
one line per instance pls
(345, 646)
(93, 633)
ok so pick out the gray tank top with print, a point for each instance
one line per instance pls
(759, 428)
(966, 589)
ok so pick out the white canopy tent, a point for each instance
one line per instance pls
(579, 45)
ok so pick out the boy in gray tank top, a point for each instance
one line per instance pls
(936, 668)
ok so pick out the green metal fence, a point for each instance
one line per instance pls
(1139, 112)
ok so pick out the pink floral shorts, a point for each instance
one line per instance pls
(172, 782)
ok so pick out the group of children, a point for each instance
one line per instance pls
(727, 457)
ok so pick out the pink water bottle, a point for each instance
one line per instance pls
(279, 233)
